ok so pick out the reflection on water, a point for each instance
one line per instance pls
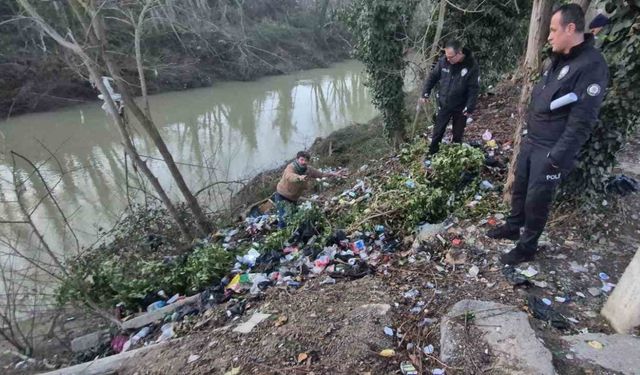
(232, 130)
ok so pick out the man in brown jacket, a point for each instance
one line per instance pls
(294, 181)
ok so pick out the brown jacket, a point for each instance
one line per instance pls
(291, 186)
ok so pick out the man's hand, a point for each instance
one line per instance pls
(302, 177)
(423, 100)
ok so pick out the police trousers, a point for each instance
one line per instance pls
(441, 121)
(536, 182)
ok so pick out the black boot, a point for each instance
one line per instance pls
(504, 232)
(518, 255)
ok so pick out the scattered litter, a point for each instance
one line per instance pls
(603, 276)
(387, 353)
(607, 287)
(540, 310)
(193, 358)
(282, 320)
(428, 349)
(388, 331)
(560, 299)
(233, 371)
(250, 324)
(594, 291)
(595, 344)
(408, 369)
(486, 185)
(328, 281)
(580, 294)
(546, 301)
(622, 185)
(302, 357)
(474, 271)
(513, 276)
(529, 272)
(487, 136)
(576, 268)
(412, 294)
(438, 371)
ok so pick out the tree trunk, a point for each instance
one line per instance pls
(538, 32)
(584, 4)
(436, 40)
(150, 127)
(128, 144)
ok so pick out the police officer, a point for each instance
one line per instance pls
(563, 109)
(457, 75)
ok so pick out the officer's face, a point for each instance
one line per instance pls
(561, 37)
(452, 56)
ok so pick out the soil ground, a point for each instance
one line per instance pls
(328, 331)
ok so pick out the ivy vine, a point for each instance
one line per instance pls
(379, 31)
(619, 115)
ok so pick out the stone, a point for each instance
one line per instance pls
(90, 341)
(622, 309)
(151, 317)
(594, 291)
(250, 324)
(618, 353)
(429, 231)
(505, 330)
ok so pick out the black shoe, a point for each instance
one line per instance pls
(517, 255)
(504, 232)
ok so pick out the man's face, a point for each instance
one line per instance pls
(452, 56)
(560, 37)
(302, 161)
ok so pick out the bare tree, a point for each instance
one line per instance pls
(538, 32)
(97, 44)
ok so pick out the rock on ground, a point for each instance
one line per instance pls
(619, 352)
(503, 330)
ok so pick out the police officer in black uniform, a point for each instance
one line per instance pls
(457, 75)
(563, 109)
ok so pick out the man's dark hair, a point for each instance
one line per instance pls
(454, 44)
(571, 13)
(303, 154)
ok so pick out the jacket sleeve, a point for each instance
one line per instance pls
(473, 89)
(590, 88)
(314, 173)
(289, 175)
(432, 80)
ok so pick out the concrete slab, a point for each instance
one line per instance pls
(103, 366)
(250, 324)
(90, 341)
(619, 352)
(512, 342)
(150, 317)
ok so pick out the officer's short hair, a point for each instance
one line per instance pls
(454, 44)
(571, 13)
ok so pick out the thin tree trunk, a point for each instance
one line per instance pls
(436, 40)
(538, 31)
(151, 129)
(128, 144)
(584, 4)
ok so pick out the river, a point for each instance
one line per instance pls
(226, 132)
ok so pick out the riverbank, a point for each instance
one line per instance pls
(334, 328)
(38, 76)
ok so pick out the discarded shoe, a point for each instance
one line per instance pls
(517, 255)
(504, 232)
